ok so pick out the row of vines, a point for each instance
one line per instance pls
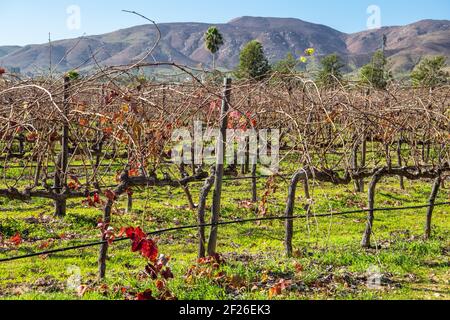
(102, 137)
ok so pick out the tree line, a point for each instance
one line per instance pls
(254, 65)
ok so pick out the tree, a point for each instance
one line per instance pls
(286, 66)
(374, 73)
(287, 72)
(253, 62)
(213, 42)
(330, 74)
(430, 72)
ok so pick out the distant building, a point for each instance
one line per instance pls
(14, 70)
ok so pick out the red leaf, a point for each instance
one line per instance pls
(97, 198)
(73, 185)
(140, 243)
(298, 267)
(160, 285)
(45, 244)
(235, 115)
(133, 173)
(54, 137)
(92, 202)
(274, 291)
(122, 232)
(108, 131)
(149, 250)
(139, 234)
(129, 232)
(167, 274)
(2, 71)
(83, 122)
(107, 232)
(32, 137)
(16, 240)
(145, 296)
(110, 195)
(152, 271)
(136, 245)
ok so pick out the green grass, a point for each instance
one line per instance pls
(333, 264)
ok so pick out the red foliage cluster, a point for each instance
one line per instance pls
(74, 184)
(160, 268)
(211, 268)
(208, 267)
(110, 195)
(215, 260)
(32, 137)
(54, 136)
(141, 243)
(145, 296)
(157, 268)
(279, 288)
(108, 131)
(107, 231)
(93, 201)
(133, 173)
(237, 120)
(2, 71)
(16, 240)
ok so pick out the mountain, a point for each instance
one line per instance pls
(405, 45)
(7, 50)
(183, 43)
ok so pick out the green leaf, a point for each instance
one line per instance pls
(73, 75)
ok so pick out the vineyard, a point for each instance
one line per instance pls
(90, 193)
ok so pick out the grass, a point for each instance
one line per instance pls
(328, 262)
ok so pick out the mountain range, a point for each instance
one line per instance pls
(184, 43)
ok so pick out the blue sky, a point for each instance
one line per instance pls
(30, 21)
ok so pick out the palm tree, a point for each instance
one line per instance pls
(213, 42)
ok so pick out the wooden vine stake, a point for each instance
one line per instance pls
(355, 164)
(60, 180)
(363, 160)
(254, 184)
(253, 159)
(400, 162)
(220, 159)
(289, 213)
(432, 201)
